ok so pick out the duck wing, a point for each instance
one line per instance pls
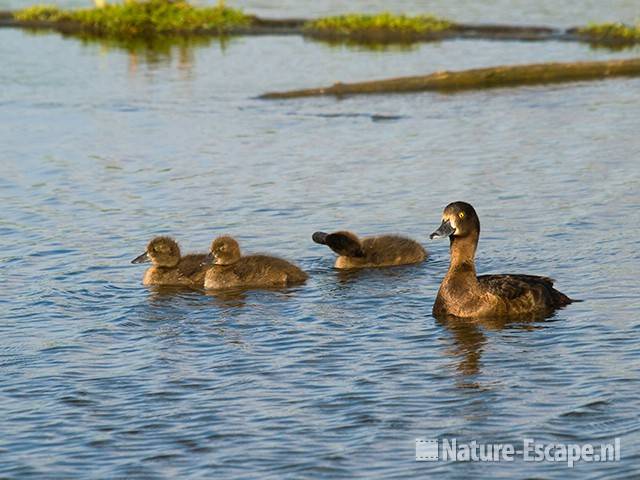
(530, 289)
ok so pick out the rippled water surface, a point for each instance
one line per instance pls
(103, 148)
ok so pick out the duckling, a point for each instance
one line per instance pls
(233, 270)
(463, 294)
(169, 267)
(381, 251)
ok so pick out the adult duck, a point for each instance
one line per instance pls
(464, 294)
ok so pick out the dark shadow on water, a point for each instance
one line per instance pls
(374, 117)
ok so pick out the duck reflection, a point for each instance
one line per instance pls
(166, 295)
(346, 276)
(469, 339)
(234, 298)
(237, 297)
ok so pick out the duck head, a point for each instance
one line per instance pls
(224, 251)
(459, 220)
(162, 252)
(343, 243)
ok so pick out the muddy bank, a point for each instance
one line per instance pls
(479, 78)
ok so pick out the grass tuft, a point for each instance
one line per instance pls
(377, 25)
(614, 32)
(49, 13)
(143, 18)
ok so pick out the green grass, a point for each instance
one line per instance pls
(49, 13)
(612, 32)
(142, 18)
(377, 25)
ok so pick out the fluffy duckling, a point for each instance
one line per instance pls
(169, 267)
(233, 270)
(381, 251)
(463, 294)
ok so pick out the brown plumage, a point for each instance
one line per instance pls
(381, 251)
(233, 270)
(463, 294)
(169, 267)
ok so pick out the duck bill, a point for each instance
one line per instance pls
(144, 258)
(445, 230)
(207, 261)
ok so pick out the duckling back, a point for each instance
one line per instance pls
(191, 267)
(380, 251)
(254, 271)
(188, 273)
(392, 250)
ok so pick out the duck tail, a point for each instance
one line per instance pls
(319, 237)
(562, 300)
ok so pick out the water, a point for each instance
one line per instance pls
(103, 148)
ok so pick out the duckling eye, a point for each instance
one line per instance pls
(461, 214)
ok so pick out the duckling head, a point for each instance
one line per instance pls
(162, 252)
(459, 219)
(224, 251)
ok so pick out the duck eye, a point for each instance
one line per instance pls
(461, 214)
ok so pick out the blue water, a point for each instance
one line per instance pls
(102, 148)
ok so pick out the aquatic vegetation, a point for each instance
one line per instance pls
(142, 18)
(50, 13)
(377, 26)
(612, 32)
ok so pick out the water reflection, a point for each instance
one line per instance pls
(375, 274)
(469, 339)
(161, 51)
(233, 298)
(370, 46)
(163, 296)
(614, 47)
